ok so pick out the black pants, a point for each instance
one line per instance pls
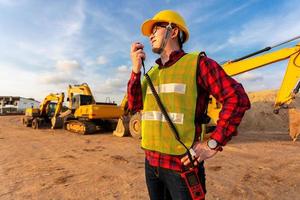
(165, 184)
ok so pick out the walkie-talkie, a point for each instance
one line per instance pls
(193, 183)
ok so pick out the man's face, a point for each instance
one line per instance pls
(156, 37)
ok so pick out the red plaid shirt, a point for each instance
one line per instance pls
(211, 79)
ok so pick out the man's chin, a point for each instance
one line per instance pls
(157, 50)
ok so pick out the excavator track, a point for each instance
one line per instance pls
(81, 127)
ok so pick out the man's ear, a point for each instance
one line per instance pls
(175, 33)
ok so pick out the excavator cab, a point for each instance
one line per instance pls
(50, 111)
(81, 99)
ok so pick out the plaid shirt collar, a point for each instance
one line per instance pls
(173, 58)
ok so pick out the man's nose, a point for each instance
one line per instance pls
(151, 36)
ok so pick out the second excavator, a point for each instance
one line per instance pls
(47, 112)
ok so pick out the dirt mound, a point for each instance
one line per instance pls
(261, 117)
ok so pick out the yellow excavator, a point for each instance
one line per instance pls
(289, 87)
(287, 92)
(47, 112)
(85, 115)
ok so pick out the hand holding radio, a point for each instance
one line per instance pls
(137, 54)
(202, 151)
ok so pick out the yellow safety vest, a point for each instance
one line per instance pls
(177, 88)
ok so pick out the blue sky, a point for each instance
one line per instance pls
(47, 45)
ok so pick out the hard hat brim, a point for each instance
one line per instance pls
(147, 26)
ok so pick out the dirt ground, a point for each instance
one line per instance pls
(55, 164)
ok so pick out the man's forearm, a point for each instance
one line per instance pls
(229, 93)
(134, 92)
(233, 110)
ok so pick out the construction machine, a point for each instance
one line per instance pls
(287, 92)
(85, 115)
(47, 112)
(289, 87)
(129, 124)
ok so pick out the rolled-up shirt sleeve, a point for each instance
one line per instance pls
(134, 92)
(229, 93)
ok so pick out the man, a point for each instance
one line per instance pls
(183, 82)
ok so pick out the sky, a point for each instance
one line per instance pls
(47, 45)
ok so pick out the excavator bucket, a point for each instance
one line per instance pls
(129, 125)
(294, 123)
(57, 122)
(122, 128)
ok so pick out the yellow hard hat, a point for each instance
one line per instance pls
(168, 16)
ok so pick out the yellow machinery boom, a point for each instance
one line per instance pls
(48, 110)
(291, 77)
(289, 86)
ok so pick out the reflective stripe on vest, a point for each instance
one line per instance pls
(177, 88)
(169, 88)
(177, 118)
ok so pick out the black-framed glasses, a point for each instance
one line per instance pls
(156, 27)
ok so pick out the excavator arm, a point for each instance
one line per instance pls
(60, 101)
(290, 82)
(56, 121)
(59, 98)
(289, 87)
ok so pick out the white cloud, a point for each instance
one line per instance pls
(18, 81)
(113, 87)
(251, 77)
(123, 68)
(257, 32)
(65, 51)
(101, 60)
(47, 36)
(117, 33)
(268, 30)
(57, 79)
(237, 9)
(65, 72)
(73, 26)
(68, 66)
(47, 50)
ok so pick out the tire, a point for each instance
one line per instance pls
(35, 123)
(26, 122)
(135, 126)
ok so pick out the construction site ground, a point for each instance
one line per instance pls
(56, 164)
